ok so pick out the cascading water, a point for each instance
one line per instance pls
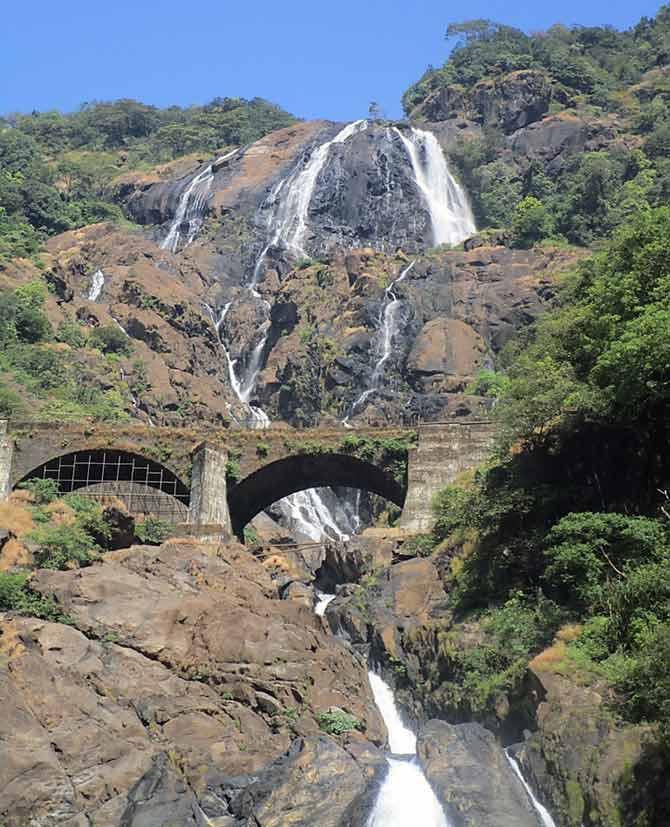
(319, 514)
(388, 330)
(190, 211)
(291, 198)
(96, 285)
(450, 213)
(405, 797)
(540, 809)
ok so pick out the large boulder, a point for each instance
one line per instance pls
(509, 102)
(513, 101)
(584, 762)
(472, 777)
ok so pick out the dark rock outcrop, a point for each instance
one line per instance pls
(510, 102)
(471, 776)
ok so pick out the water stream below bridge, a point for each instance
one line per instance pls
(405, 797)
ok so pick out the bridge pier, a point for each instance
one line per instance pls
(442, 454)
(6, 454)
(209, 491)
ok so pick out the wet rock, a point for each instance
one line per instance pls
(580, 759)
(471, 776)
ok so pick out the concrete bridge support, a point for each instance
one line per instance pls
(6, 453)
(209, 495)
(443, 453)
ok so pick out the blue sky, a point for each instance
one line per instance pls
(316, 59)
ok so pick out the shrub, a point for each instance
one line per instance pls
(60, 546)
(587, 552)
(488, 383)
(152, 530)
(17, 596)
(531, 222)
(262, 449)
(72, 334)
(337, 722)
(110, 339)
(421, 545)
(43, 491)
(250, 536)
(233, 470)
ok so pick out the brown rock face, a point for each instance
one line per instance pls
(445, 354)
(185, 670)
(580, 759)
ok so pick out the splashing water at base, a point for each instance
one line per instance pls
(540, 809)
(405, 797)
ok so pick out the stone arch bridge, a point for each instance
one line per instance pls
(221, 478)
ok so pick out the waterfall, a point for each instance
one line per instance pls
(96, 285)
(450, 214)
(405, 797)
(309, 513)
(323, 599)
(388, 329)
(190, 210)
(243, 389)
(292, 196)
(541, 810)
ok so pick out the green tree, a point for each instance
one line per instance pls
(531, 222)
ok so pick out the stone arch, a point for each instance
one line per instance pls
(298, 472)
(143, 484)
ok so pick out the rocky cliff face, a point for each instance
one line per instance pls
(175, 695)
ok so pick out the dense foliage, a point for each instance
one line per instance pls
(56, 169)
(571, 525)
(594, 61)
(67, 373)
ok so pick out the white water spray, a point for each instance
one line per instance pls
(405, 797)
(190, 211)
(96, 285)
(450, 213)
(540, 809)
(322, 603)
